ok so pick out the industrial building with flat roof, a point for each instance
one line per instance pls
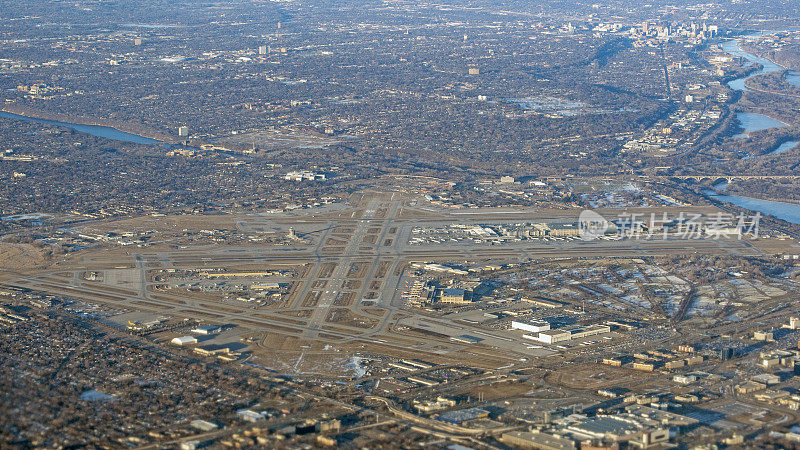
(454, 297)
(184, 340)
(463, 415)
(433, 267)
(562, 335)
(533, 326)
(527, 439)
(206, 329)
(619, 428)
(203, 425)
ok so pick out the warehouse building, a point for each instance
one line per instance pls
(430, 406)
(206, 329)
(249, 415)
(562, 335)
(463, 415)
(536, 326)
(619, 429)
(454, 297)
(527, 439)
(204, 425)
(184, 340)
(554, 336)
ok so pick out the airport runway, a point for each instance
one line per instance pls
(354, 267)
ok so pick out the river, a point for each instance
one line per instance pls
(751, 122)
(732, 48)
(94, 130)
(793, 78)
(789, 212)
(786, 146)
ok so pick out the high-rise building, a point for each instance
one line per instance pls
(183, 131)
(262, 50)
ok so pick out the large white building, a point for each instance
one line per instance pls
(535, 326)
(304, 175)
(433, 267)
(184, 340)
(206, 329)
(562, 335)
(553, 336)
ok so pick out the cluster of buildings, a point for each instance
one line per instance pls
(404, 375)
(10, 155)
(778, 365)
(439, 268)
(431, 406)
(692, 30)
(635, 426)
(418, 291)
(682, 128)
(503, 192)
(124, 238)
(650, 360)
(541, 331)
(304, 175)
(150, 324)
(39, 90)
(223, 352)
(200, 330)
(461, 416)
(226, 352)
(10, 317)
(637, 421)
(495, 233)
(257, 287)
(320, 430)
(624, 226)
